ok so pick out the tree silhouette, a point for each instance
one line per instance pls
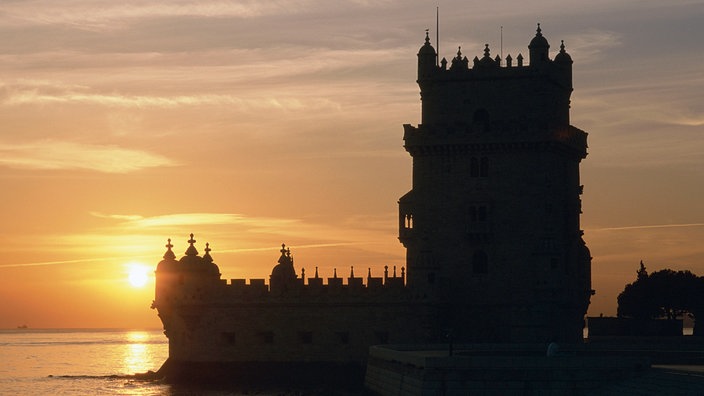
(663, 294)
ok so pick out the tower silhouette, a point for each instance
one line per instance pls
(491, 225)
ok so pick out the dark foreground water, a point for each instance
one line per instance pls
(80, 362)
(97, 362)
(88, 362)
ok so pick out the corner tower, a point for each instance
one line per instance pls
(491, 225)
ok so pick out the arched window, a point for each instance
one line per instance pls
(480, 262)
(481, 118)
(484, 167)
(481, 213)
(474, 167)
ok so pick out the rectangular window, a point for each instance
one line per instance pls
(228, 337)
(305, 337)
(343, 337)
(265, 337)
(382, 337)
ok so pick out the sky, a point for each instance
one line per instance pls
(252, 124)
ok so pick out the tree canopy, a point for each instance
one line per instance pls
(663, 294)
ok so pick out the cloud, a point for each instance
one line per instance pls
(643, 227)
(46, 93)
(94, 14)
(195, 219)
(588, 47)
(55, 155)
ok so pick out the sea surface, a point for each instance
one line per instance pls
(86, 362)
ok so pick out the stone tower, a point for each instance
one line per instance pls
(491, 225)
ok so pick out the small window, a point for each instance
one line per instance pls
(265, 337)
(305, 337)
(480, 263)
(382, 337)
(474, 167)
(228, 338)
(481, 117)
(343, 337)
(481, 213)
(484, 167)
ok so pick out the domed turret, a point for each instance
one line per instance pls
(538, 48)
(169, 262)
(212, 268)
(284, 270)
(563, 56)
(427, 58)
(191, 261)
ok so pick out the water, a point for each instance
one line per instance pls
(95, 362)
(81, 362)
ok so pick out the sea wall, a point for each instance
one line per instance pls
(492, 370)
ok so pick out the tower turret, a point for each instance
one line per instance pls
(491, 224)
(427, 59)
(539, 48)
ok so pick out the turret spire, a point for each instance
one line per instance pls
(169, 255)
(206, 256)
(191, 251)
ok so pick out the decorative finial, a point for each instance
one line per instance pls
(206, 256)
(334, 273)
(316, 272)
(562, 46)
(283, 248)
(169, 255)
(486, 51)
(369, 273)
(303, 273)
(191, 251)
(394, 271)
(459, 52)
(538, 32)
(351, 271)
(427, 36)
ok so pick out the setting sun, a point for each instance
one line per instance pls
(137, 274)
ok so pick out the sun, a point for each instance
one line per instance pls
(137, 275)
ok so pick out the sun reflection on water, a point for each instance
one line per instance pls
(138, 354)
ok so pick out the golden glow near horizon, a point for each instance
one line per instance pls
(124, 124)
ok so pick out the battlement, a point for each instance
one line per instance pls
(492, 89)
(351, 282)
(195, 278)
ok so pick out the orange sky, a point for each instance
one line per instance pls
(248, 124)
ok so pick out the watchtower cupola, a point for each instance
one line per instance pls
(539, 48)
(427, 59)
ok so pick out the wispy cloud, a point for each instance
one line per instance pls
(193, 219)
(54, 155)
(92, 14)
(645, 227)
(589, 47)
(45, 93)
